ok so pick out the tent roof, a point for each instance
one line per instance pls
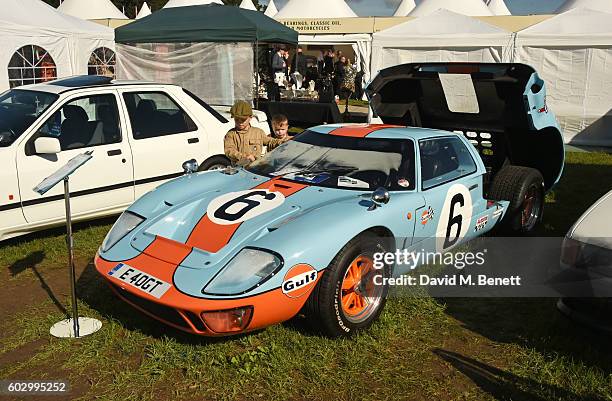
(316, 9)
(442, 26)
(465, 7)
(185, 3)
(599, 5)
(144, 11)
(248, 5)
(498, 7)
(91, 9)
(209, 23)
(577, 27)
(36, 18)
(271, 9)
(405, 7)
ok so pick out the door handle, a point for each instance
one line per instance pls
(473, 187)
(114, 152)
(193, 140)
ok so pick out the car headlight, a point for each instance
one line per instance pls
(247, 270)
(126, 223)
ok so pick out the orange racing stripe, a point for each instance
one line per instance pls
(360, 131)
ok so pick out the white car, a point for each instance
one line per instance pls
(586, 259)
(140, 134)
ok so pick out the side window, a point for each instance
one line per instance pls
(444, 160)
(84, 122)
(154, 114)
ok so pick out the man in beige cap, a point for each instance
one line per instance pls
(243, 144)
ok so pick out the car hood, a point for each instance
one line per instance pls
(205, 212)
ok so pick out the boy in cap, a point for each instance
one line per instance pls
(244, 144)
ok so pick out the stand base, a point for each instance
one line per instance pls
(65, 328)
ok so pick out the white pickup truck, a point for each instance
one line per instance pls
(140, 134)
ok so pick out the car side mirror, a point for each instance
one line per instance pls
(190, 166)
(379, 197)
(47, 146)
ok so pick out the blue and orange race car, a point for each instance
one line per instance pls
(235, 250)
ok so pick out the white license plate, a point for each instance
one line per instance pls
(140, 280)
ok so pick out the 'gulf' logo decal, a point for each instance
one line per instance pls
(299, 280)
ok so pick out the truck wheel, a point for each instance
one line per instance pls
(523, 187)
(346, 297)
(214, 163)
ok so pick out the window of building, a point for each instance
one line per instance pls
(29, 65)
(102, 62)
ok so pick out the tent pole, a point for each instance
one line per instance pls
(256, 94)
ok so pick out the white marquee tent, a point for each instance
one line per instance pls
(91, 9)
(183, 3)
(271, 9)
(498, 7)
(599, 5)
(465, 7)
(441, 36)
(144, 11)
(573, 54)
(405, 7)
(315, 9)
(248, 5)
(69, 41)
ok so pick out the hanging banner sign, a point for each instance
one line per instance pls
(313, 26)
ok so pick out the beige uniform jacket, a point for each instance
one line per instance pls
(240, 144)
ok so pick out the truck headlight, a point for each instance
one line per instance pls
(247, 270)
(126, 223)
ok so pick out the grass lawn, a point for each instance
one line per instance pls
(421, 348)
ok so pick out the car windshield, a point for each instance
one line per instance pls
(18, 110)
(341, 162)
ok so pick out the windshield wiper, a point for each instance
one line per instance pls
(319, 171)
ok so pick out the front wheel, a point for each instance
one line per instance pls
(351, 294)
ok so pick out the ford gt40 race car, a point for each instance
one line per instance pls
(235, 250)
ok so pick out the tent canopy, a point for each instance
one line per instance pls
(599, 5)
(316, 9)
(498, 7)
(577, 27)
(465, 7)
(144, 11)
(271, 9)
(405, 7)
(248, 5)
(443, 28)
(185, 3)
(36, 18)
(91, 9)
(209, 23)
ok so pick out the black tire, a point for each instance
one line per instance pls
(214, 163)
(324, 306)
(523, 187)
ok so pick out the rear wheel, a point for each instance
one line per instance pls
(214, 163)
(523, 187)
(347, 297)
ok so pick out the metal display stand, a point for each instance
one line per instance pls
(76, 326)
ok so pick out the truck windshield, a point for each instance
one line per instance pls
(341, 162)
(18, 111)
